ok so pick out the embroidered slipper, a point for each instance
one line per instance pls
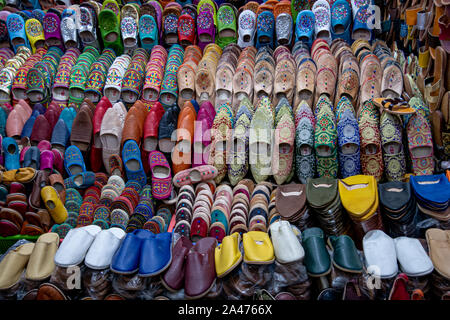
(265, 28)
(304, 27)
(195, 175)
(247, 28)
(361, 30)
(129, 28)
(16, 30)
(348, 141)
(371, 154)
(148, 32)
(305, 161)
(341, 20)
(226, 24)
(110, 30)
(283, 29)
(73, 161)
(112, 5)
(260, 142)
(132, 162)
(161, 176)
(391, 142)
(35, 33)
(87, 25)
(206, 30)
(420, 145)
(170, 24)
(322, 18)
(52, 30)
(325, 139)
(283, 152)
(186, 30)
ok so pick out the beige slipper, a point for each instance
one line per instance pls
(439, 250)
(13, 264)
(42, 260)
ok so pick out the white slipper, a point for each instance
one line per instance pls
(75, 245)
(103, 248)
(380, 254)
(412, 257)
(247, 28)
(286, 245)
(322, 14)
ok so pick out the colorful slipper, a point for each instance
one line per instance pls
(161, 176)
(420, 145)
(16, 30)
(73, 161)
(35, 33)
(148, 32)
(52, 30)
(131, 156)
(304, 27)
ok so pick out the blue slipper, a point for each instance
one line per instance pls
(148, 32)
(363, 19)
(265, 28)
(28, 126)
(304, 27)
(32, 158)
(131, 156)
(156, 255)
(16, 30)
(68, 115)
(73, 161)
(81, 180)
(127, 257)
(38, 14)
(61, 134)
(341, 19)
(11, 153)
(348, 141)
(3, 118)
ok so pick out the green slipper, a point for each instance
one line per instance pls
(345, 255)
(110, 30)
(317, 260)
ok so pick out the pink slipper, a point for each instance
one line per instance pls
(195, 175)
(161, 176)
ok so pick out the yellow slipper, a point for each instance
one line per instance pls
(35, 34)
(42, 260)
(258, 248)
(227, 254)
(13, 264)
(53, 204)
(358, 194)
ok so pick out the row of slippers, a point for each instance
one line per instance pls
(228, 211)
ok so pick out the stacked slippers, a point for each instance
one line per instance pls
(399, 208)
(323, 197)
(133, 78)
(288, 208)
(79, 74)
(359, 196)
(154, 73)
(433, 195)
(114, 79)
(186, 74)
(60, 89)
(97, 75)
